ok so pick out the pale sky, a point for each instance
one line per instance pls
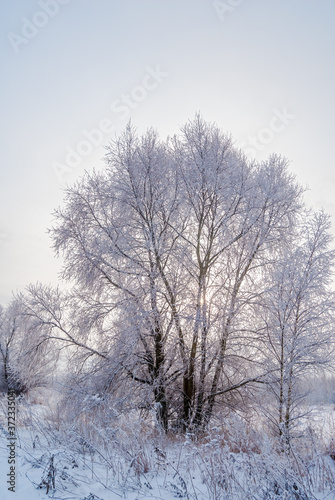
(75, 71)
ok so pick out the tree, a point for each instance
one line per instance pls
(238, 213)
(298, 314)
(169, 241)
(26, 362)
(116, 236)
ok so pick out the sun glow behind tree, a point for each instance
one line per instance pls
(173, 252)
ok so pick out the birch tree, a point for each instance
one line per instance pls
(299, 317)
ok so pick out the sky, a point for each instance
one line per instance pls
(75, 71)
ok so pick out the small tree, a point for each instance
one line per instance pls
(26, 361)
(299, 317)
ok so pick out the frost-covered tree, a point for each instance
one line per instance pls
(26, 360)
(237, 213)
(165, 248)
(298, 313)
(117, 240)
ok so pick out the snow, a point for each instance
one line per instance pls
(163, 469)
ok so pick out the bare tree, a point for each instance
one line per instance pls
(116, 237)
(26, 361)
(298, 313)
(237, 213)
(168, 249)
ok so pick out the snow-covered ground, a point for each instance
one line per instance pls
(137, 468)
